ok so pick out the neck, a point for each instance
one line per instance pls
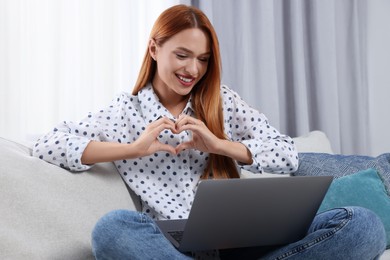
(173, 102)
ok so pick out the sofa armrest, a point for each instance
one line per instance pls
(48, 212)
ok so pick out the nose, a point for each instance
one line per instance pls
(192, 67)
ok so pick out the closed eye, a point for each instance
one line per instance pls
(204, 59)
(181, 56)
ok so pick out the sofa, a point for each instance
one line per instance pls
(49, 213)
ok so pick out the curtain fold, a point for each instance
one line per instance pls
(302, 63)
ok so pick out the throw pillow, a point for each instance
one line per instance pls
(337, 165)
(364, 189)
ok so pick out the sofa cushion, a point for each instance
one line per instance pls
(48, 212)
(341, 165)
(364, 189)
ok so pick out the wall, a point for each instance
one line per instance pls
(378, 60)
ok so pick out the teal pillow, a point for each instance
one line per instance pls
(364, 189)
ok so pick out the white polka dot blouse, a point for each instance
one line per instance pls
(166, 183)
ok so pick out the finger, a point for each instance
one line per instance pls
(184, 120)
(157, 129)
(162, 120)
(199, 127)
(167, 148)
(183, 146)
(168, 120)
(171, 123)
(190, 127)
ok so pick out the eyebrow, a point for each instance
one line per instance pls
(189, 51)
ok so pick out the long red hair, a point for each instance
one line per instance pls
(206, 94)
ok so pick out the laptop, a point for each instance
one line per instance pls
(234, 213)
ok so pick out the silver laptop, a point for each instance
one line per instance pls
(236, 213)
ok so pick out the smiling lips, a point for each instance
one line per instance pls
(186, 81)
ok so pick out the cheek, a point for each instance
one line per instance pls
(203, 69)
(165, 68)
(171, 65)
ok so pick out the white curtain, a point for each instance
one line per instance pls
(303, 63)
(60, 59)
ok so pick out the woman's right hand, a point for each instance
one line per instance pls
(148, 143)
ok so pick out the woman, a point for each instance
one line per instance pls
(180, 126)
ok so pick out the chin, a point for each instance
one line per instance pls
(184, 90)
(184, 93)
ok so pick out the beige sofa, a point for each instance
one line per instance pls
(48, 212)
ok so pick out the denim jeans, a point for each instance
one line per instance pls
(344, 233)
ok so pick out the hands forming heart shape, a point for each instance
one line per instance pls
(202, 138)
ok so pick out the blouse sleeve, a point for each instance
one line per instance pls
(271, 150)
(65, 144)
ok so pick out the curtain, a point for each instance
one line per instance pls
(60, 59)
(302, 63)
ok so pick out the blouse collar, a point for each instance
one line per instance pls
(151, 107)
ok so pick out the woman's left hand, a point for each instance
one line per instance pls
(202, 138)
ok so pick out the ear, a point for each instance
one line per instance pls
(152, 49)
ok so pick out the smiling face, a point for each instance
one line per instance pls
(181, 62)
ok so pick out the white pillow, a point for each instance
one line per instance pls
(313, 142)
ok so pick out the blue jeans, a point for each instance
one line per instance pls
(345, 233)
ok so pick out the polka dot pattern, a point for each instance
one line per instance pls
(165, 183)
(271, 151)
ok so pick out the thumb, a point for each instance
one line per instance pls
(167, 148)
(183, 146)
